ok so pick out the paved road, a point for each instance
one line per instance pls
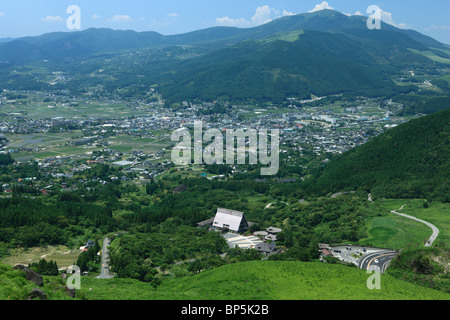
(377, 259)
(435, 230)
(364, 257)
(104, 272)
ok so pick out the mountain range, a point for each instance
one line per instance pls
(60, 45)
(320, 53)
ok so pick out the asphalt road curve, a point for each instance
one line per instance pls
(377, 259)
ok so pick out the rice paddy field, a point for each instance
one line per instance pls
(45, 145)
(32, 110)
(127, 143)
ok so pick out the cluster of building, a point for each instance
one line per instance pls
(303, 129)
(234, 226)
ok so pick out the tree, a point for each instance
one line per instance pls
(156, 282)
(82, 261)
(196, 266)
(45, 268)
(6, 159)
(151, 187)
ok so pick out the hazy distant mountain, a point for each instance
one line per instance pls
(63, 45)
(4, 40)
(60, 45)
(319, 53)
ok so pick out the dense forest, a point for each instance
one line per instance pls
(30, 222)
(155, 228)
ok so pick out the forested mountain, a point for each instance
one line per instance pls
(295, 64)
(318, 53)
(59, 45)
(409, 161)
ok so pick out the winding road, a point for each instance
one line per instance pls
(381, 259)
(435, 230)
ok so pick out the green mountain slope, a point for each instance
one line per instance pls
(276, 68)
(264, 280)
(318, 53)
(63, 45)
(256, 280)
(409, 161)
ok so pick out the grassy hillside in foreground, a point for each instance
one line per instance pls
(263, 280)
(14, 286)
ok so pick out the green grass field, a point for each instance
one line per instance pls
(263, 280)
(284, 36)
(431, 55)
(396, 232)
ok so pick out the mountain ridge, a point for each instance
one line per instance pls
(57, 45)
(320, 53)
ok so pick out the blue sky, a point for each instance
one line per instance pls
(34, 17)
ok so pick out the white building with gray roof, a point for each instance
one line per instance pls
(232, 220)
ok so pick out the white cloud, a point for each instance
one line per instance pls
(173, 14)
(2, 14)
(96, 16)
(324, 5)
(121, 18)
(262, 15)
(52, 19)
(357, 13)
(387, 18)
(230, 22)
